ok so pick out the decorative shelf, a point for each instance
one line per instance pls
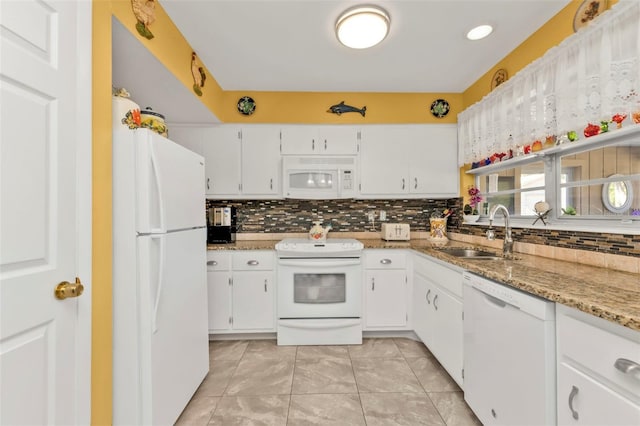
(629, 135)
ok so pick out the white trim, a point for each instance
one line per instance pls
(578, 225)
(84, 209)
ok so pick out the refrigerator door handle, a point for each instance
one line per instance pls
(161, 261)
(156, 176)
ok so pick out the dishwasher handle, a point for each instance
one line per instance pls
(494, 300)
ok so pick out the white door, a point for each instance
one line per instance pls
(433, 167)
(385, 298)
(222, 160)
(45, 222)
(261, 169)
(253, 302)
(338, 140)
(383, 161)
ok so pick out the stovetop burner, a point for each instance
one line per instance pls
(333, 247)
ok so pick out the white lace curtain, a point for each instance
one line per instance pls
(591, 76)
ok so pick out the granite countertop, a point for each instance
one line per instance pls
(605, 293)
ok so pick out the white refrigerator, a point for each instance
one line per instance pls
(160, 335)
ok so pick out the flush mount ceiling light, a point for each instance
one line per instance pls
(479, 32)
(362, 27)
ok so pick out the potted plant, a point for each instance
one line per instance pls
(470, 211)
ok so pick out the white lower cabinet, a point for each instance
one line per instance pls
(437, 312)
(241, 291)
(385, 290)
(598, 370)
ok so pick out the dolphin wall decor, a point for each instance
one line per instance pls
(341, 107)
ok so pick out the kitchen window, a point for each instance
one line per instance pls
(593, 181)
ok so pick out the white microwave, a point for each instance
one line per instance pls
(319, 177)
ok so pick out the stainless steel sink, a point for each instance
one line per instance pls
(467, 253)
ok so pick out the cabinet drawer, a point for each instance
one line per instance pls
(599, 346)
(218, 260)
(585, 401)
(385, 259)
(253, 260)
(445, 277)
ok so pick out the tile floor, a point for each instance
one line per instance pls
(381, 382)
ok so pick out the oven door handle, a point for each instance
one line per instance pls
(323, 324)
(322, 263)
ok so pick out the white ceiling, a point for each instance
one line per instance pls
(290, 45)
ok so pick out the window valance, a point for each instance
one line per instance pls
(588, 78)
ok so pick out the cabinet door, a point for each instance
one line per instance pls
(253, 300)
(222, 161)
(261, 161)
(383, 161)
(219, 297)
(433, 160)
(385, 298)
(337, 140)
(299, 140)
(584, 401)
(447, 333)
(422, 312)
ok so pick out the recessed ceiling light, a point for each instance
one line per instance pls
(479, 32)
(362, 27)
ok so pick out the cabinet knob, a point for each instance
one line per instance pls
(385, 261)
(271, 183)
(325, 144)
(252, 262)
(572, 395)
(212, 263)
(373, 284)
(402, 183)
(208, 180)
(415, 184)
(313, 144)
(427, 296)
(435, 299)
(265, 285)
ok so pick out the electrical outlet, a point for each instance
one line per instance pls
(371, 215)
(383, 215)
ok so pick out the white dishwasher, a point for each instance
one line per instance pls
(509, 354)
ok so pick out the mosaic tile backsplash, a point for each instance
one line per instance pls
(277, 216)
(349, 215)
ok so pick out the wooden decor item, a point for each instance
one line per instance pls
(498, 78)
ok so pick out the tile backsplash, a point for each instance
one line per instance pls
(348, 215)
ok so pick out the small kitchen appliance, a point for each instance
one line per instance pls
(395, 231)
(221, 225)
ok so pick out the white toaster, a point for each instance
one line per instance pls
(395, 231)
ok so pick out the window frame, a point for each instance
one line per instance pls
(550, 157)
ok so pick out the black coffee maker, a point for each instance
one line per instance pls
(221, 225)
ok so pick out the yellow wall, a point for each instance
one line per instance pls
(101, 348)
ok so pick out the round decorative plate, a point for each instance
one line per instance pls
(499, 77)
(439, 108)
(587, 12)
(246, 105)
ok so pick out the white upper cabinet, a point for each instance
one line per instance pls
(261, 164)
(319, 140)
(221, 149)
(433, 156)
(412, 161)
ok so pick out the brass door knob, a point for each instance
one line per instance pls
(66, 289)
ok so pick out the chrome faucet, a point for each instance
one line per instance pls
(507, 247)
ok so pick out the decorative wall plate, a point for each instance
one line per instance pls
(499, 77)
(587, 12)
(439, 108)
(246, 105)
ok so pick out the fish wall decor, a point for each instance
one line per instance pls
(341, 107)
